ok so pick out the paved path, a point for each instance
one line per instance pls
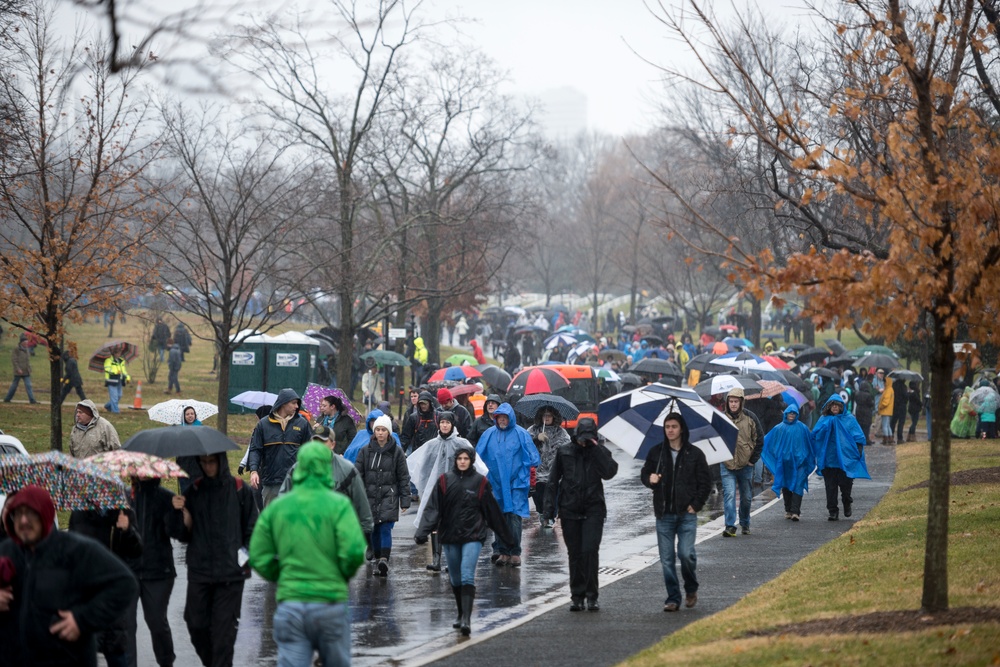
(631, 617)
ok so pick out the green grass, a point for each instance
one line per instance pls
(875, 566)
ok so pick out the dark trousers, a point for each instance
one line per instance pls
(836, 479)
(67, 388)
(898, 425)
(793, 501)
(538, 495)
(583, 544)
(172, 380)
(155, 597)
(212, 614)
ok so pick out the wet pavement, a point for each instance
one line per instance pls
(407, 616)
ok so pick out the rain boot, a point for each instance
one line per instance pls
(435, 564)
(468, 595)
(457, 590)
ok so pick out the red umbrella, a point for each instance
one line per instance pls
(537, 380)
(778, 363)
(455, 373)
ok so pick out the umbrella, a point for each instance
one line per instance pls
(539, 380)
(254, 399)
(581, 349)
(738, 343)
(771, 388)
(634, 421)
(171, 441)
(798, 347)
(743, 361)
(778, 363)
(632, 379)
(906, 375)
(326, 347)
(795, 381)
(494, 375)
(74, 484)
(607, 374)
(459, 359)
(985, 397)
(873, 349)
(454, 373)
(559, 339)
(840, 361)
(653, 340)
(386, 358)
(172, 411)
(729, 328)
(137, 464)
(823, 372)
(877, 360)
(835, 345)
(612, 355)
(656, 367)
(532, 403)
(316, 392)
(723, 384)
(793, 395)
(703, 362)
(463, 389)
(811, 355)
(127, 351)
(524, 331)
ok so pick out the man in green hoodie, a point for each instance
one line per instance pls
(310, 542)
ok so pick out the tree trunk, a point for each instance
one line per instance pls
(935, 593)
(755, 322)
(222, 396)
(55, 406)
(432, 334)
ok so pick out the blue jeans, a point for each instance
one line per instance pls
(504, 549)
(114, 395)
(730, 478)
(683, 528)
(27, 387)
(303, 627)
(382, 538)
(462, 559)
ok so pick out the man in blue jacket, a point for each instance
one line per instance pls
(509, 453)
(275, 443)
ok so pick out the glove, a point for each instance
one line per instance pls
(420, 539)
(239, 471)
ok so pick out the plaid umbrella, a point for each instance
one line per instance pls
(317, 392)
(537, 380)
(136, 464)
(172, 411)
(74, 484)
(771, 388)
(127, 351)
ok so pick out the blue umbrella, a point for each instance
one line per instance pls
(559, 339)
(634, 421)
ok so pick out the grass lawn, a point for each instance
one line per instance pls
(877, 566)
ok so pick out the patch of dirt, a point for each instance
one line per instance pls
(885, 622)
(974, 476)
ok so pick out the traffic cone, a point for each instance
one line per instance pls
(137, 403)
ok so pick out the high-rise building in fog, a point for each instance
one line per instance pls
(562, 113)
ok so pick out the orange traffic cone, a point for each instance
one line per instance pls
(137, 403)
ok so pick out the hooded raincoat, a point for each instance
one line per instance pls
(963, 424)
(838, 439)
(96, 437)
(789, 454)
(509, 454)
(274, 444)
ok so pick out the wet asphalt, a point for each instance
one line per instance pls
(521, 613)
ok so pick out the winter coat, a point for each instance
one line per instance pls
(789, 454)
(309, 540)
(510, 454)
(749, 440)
(900, 397)
(420, 354)
(865, 398)
(223, 513)
(463, 420)
(364, 437)
(96, 437)
(156, 521)
(479, 426)
(182, 337)
(346, 480)
(116, 372)
(161, 333)
(555, 436)
(71, 371)
(102, 526)
(21, 361)
(887, 400)
(575, 481)
(175, 358)
(461, 506)
(689, 483)
(273, 448)
(477, 351)
(841, 437)
(419, 427)
(344, 429)
(963, 424)
(915, 403)
(386, 478)
(435, 458)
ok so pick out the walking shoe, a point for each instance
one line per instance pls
(795, 517)
(671, 606)
(501, 561)
(592, 605)
(730, 531)
(494, 558)
(691, 600)
(369, 554)
(515, 561)
(847, 509)
(382, 567)
(746, 530)
(788, 515)
(834, 515)
(576, 605)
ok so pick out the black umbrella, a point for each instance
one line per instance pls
(824, 373)
(906, 376)
(612, 355)
(840, 361)
(835, 345)
(656, 367)
(653, 340)
(714, 332)
(811, 355)
(703, 362)
(495, 376)
(631, 379)
(794, 380)
(172, 441)
(877, 360)
(798, 347)
(532, 403)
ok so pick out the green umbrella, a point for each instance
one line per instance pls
(459, 359)
(386, 358)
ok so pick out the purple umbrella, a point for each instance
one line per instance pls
(317, 392)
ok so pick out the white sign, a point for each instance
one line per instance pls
(397, 334)
(244, 358)
(286, 359)
(961, 348)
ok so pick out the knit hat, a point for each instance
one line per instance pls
(444, 395)
(447, 416)
(384, 421)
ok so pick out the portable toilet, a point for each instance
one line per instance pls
(271, 363)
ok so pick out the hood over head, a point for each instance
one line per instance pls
(314, 466)
(370, 420)
(468, 449)
(385, 407)
(793, 408)
(493, 398)
(284, 396)
(586, 429)
(89, 404)
(36, 498)
(418, 343)
(426, 396)
(505, 409)
(835, 398)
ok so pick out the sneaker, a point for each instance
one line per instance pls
(576, 605)
(788, 515)
(592, 605)
(691, 600)
(730, 531)
(494, 558)
(515, 561)
(834, 515)
(795, 517)
(671, 606)
(746, 530)
(382, 567)
(847, 509)
(501, 561)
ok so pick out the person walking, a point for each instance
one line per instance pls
(463, 420)
(509, 453)
(886, 400)
(900, 398)
(20, 360)
(371, 385)
(115, 378)
(485, 420)
(159, 341)
(219, 514)
(335, 417)
(576, 488)
(459, 510)
(419, 426)
(864, 401)
(548, 435)
(738, 471)
(840, 454)
(310, 542)
(681, 481)
(71, 378)
(92, 433)
(382, 467)
(790, 455)
(174, 361)
(274, 443)
(914, 406)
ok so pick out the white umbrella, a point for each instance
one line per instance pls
(743, 361)
(172, 411)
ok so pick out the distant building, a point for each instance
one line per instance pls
(562, 113)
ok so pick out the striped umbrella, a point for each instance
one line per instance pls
(454, 374)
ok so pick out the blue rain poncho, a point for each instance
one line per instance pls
(789, 453)
(840, 436)
(509, 454)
